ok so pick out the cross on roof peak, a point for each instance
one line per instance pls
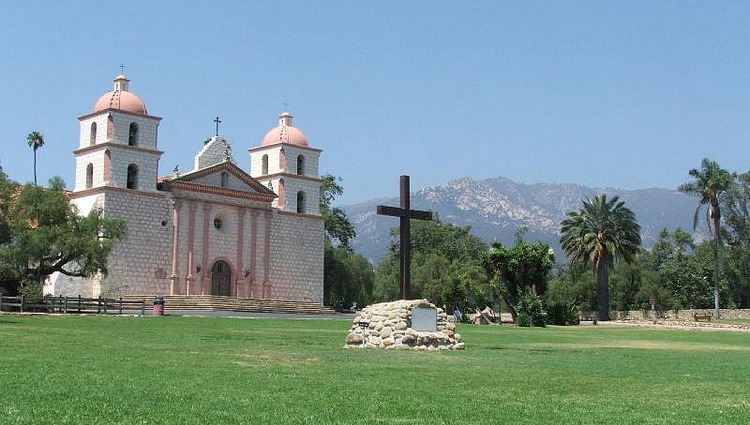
(217, 121)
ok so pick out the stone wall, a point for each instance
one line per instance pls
(297, 257)
(677, 314)
(388, 325)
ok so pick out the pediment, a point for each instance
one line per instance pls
(223, 178)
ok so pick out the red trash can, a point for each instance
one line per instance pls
(158, 305)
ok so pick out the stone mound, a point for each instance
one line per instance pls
(389, 325)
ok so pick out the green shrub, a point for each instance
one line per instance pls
(563, 313)
(531, 305)
(523, 320)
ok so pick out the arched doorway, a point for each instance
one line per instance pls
(221, 277)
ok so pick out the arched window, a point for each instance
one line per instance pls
(133, 134)
(89, 176)
(132, 182)
(92, 135)
(264, 167)
(110, 127)
(301, 202)
(300, 165)
(107, 171)
(224, 179)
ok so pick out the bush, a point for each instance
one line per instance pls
(523, 320)
(562, 313)
(532, 306)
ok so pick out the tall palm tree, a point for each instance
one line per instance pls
(35, 141)
(711, 181)
(599, 233)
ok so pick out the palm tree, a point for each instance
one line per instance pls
(35, 141)
(599, 233)
(711, 181)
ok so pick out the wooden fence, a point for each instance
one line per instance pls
(72, 305)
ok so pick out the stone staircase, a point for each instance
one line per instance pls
(240, 305)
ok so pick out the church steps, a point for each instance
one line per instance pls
(244, 305)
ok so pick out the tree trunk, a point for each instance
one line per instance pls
(602, 288)
(717, 244)
(35, 167)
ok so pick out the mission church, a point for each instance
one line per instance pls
(214, 230)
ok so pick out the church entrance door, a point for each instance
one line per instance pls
(221, 276)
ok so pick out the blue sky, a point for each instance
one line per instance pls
(599, 93)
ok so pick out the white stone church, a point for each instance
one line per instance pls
(214, 230)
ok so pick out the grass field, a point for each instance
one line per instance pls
(190, 370)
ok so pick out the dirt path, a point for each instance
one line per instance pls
(679, 324)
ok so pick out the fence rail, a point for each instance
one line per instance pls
(72, 305)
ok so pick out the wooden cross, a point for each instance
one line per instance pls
(217, 121)
(405, 214)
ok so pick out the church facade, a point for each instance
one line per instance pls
(213, 230)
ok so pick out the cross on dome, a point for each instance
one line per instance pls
(285, 133)
(121, 98)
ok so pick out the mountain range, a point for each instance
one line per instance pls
(496, 208)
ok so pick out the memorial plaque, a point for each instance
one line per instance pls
(424, 319)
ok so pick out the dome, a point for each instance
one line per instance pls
(121, 98)
(285, 133)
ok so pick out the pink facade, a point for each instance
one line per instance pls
(215, 230)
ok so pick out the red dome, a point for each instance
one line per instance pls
(121, 98)
(285, 133)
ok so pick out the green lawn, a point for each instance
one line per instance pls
(175, 370)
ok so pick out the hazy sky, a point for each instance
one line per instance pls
(626, 94)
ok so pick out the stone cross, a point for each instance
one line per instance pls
(405, 214)
(217, 121)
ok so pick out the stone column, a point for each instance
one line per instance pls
(174, 281)
(190, 248)
(240, 283)
(206, 265)
(267, 251)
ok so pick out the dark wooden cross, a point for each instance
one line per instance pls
(405, 213)
(217, 121)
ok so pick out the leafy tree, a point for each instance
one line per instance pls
(625, 284)
(520, 270)
(454, 294)
(681, 273)
(710, 182)
(44, 234)
(442, 254)
(35, 141)
(736, 214)
(387, 274)
(347, 277)
(599, 233)
(573, 285)
(339, 230)
(56, 183)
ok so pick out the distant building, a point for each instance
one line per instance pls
(215, 229)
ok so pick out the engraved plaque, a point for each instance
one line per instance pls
(424, 319)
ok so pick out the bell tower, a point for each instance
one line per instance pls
(289, 166)
(118, 143)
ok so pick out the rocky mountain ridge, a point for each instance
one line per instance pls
(496, 208)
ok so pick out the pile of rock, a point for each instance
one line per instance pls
(389, 325)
